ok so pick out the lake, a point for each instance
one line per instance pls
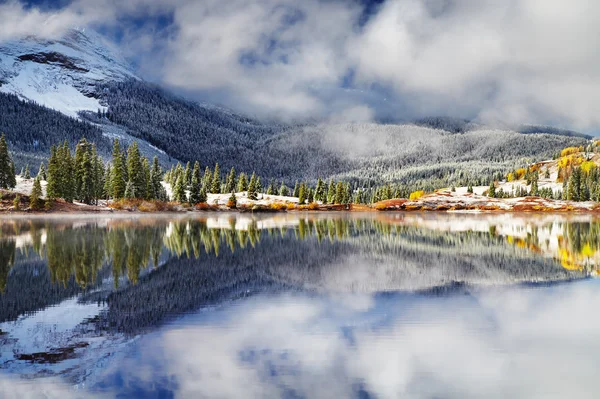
(293, 305)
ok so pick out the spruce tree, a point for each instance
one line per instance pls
(52, 189)
(35, 199)
(107, 182)
(156, 180)
(207, 179)
(232, 202)
(42, 172)
(203, 198)
(86, 193)
(230, 184)
(296, 190)
(252, 188)
(283, 190)
(492, 190)
(67, 183)
(27, 174)
(215, 187)
(179, 189)
(135, 171)
(7, 172)
(331, 192)
(320, 194)
(339, 193)
(117, 175)
(242, 183)
(302, 194)
(196, 186)
(311, 196)
(188, 174)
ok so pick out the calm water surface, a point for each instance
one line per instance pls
(300, 306)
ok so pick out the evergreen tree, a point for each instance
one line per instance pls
(129, 190)
(320, 194)
(331, 192)
(339, 193)
(188, 174)
(52, 189)
(232, 202)
(7, 172)
(156, 187)
(35, 200)
(311, 196)
(207, 179)
(470, 188)
(492, 190)
(534, 183)
(196, 186)
(574, 185)
(296, 190)
(135, 171)
(242, 183)
(271, 188)
(117, 174)
(302, 194)
(107, 182)
(215, 186)
(230, 184)
(179, 189)
(284, 190)
(203, 197)
(86, 193)
(67, 183)
(252, 188)
(42, 172)
(27, 174)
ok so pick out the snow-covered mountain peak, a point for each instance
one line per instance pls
(61, 73)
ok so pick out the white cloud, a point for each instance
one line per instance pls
(530, 61)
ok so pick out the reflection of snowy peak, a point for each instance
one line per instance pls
(60, 74)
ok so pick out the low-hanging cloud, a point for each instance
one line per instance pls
(529, 61)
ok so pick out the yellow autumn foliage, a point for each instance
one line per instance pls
(587, 166)
(569, 151)
(416, 195)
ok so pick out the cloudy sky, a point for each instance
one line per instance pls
(511, 61)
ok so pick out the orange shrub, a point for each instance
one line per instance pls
(291, 206)
(313, 206)
(278, 206)
(380, 206)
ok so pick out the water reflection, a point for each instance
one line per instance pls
(79, 249)
(76, 290)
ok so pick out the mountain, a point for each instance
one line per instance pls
(79, 74)
(61, 74)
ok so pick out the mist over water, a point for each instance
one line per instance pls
(299, 305)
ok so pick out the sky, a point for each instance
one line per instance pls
(494, 61)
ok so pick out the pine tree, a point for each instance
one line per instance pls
(86, 194)
(42, 172)
(107, 182)
(252, 188)
(7, 173)
(271, 188)
(331, 192)
(135, 170)
(339, 193)
(188, 174)
(196, 186)
(283, 190)
(117, 175)
(296, 190)
(155, 180)
(67, 181)
(470, 188)
(179, 189)
(35, 199)
(52, 189)
(203, 198)
(27, 174)
(302, 192)
(230, 183)
(129, 190)
(574, 185)
(492, 190)
(232, 202)
(207, 179)
(215, 186)
(534, 183)
(320, 194)
(242, 183)
(311, 196)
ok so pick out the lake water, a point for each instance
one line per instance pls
(382, 305)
